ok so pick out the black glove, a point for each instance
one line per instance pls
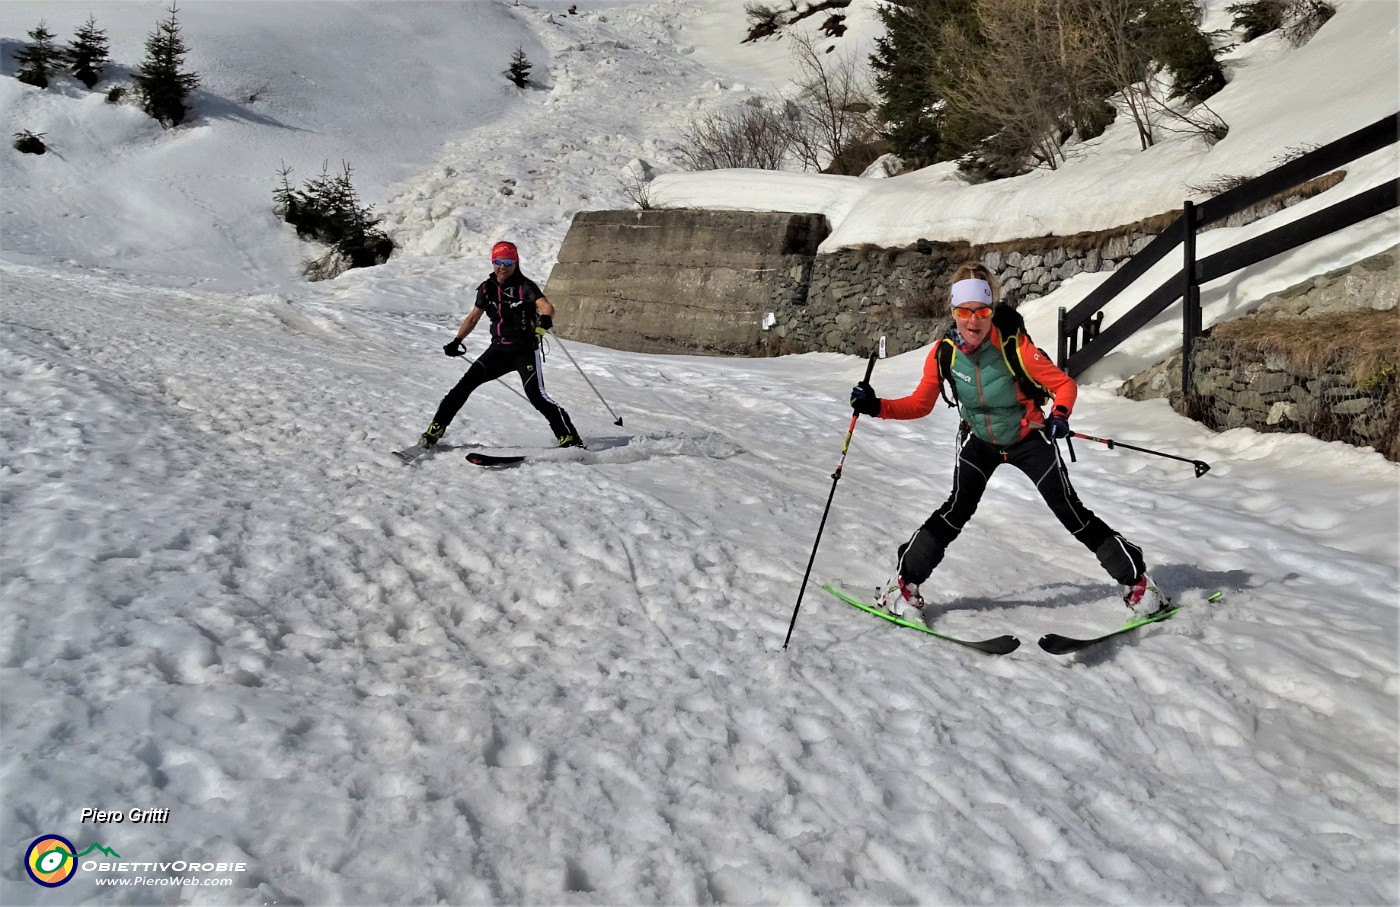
(864, 401)
(547, 322)
(454, 348)
(1057, 425)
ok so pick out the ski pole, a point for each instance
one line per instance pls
(835, 477)
(1201, 467)
(585, 378)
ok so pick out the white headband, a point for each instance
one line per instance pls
(972, 290)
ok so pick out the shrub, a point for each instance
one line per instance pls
(764, 21)
(30, 142)
(750, 136)
(635, 183)
(327, 209)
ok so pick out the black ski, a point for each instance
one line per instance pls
(481, 459)
(1056, 644)
(997, 645)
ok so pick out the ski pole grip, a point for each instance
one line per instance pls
(870, 366)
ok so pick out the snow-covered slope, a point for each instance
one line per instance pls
(565, 683)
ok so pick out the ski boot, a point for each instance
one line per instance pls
(431, 436)
(1144, 599)
(898, 597)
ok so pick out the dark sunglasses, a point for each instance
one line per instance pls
(978, 313)
(503, 262)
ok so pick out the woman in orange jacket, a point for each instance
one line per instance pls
(999, 379)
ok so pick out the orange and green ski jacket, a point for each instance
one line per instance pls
(990, 399)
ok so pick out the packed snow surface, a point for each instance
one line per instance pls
(360, 682)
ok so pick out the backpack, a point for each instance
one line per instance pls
(1012, 328)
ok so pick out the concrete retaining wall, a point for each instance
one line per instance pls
(679, 280)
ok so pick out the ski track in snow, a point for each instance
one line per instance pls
(565, 681)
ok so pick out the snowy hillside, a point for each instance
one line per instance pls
(356, 682)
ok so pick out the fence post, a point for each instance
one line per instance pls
(1190, 294)
(1061, 356)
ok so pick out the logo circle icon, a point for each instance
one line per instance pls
(50, 860)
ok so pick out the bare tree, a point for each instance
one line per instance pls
(1036, 71)
(635, 182)
(1009, 78)
(749, 136)
(833, 108)
(1112, 41)
(1106, 35)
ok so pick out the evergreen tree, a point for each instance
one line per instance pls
(1177, 43)
(904, 60)
(1001, 85)
(163, 84)
(327, 209)
(520, 68)
(38, 61)
(87, 54)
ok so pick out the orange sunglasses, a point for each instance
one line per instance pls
(978, 313)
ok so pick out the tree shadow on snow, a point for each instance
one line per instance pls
(204, 105)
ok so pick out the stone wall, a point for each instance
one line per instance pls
(747, 283)
(857, 295)
(744, 283)
(1236, 386)
(681, 280)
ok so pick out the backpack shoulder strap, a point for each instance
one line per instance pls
(1012, 328)
(947, 349)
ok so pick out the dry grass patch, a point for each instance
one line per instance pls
(1366, 342)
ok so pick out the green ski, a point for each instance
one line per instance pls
(999, 645)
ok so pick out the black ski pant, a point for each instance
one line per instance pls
(495, 362)
(1038, 457)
